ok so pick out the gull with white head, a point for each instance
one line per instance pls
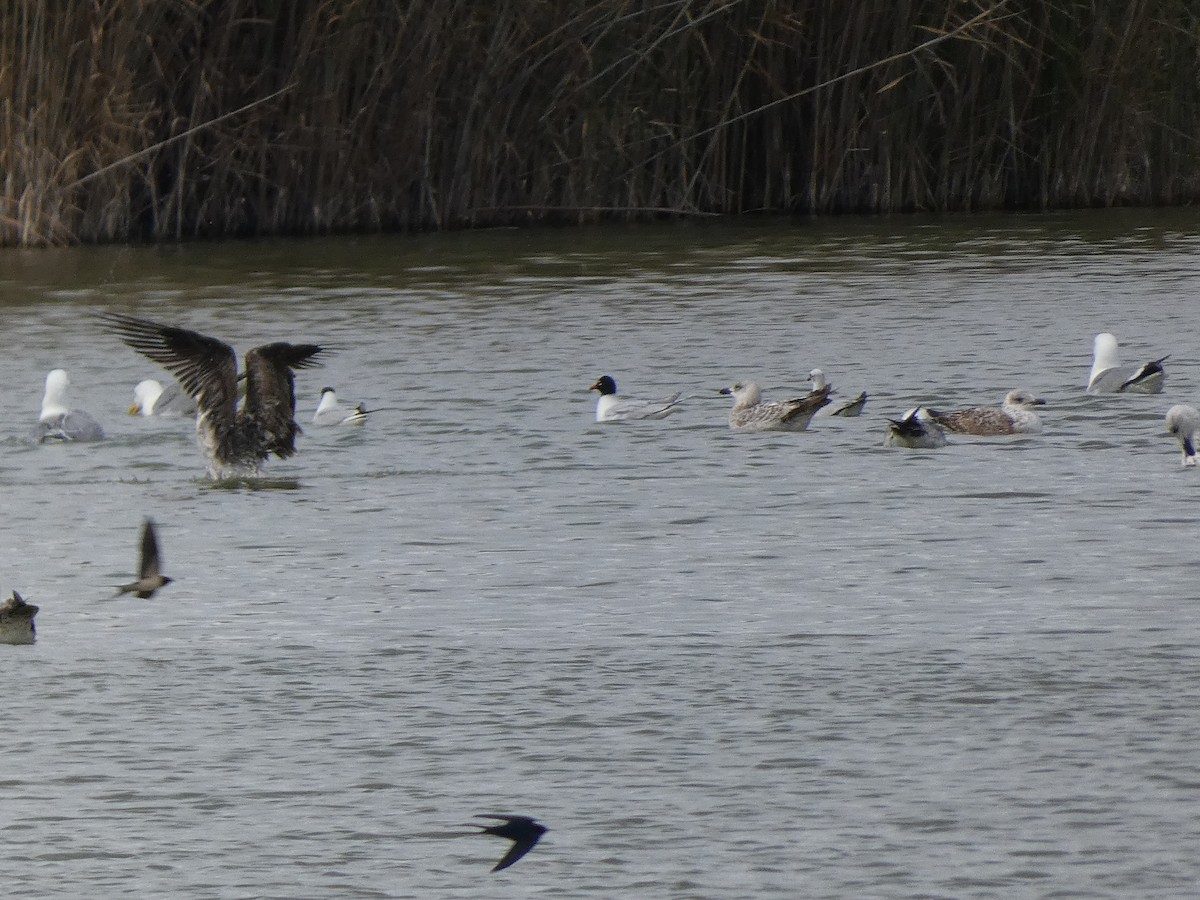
(151, 398)
(846, 410)
(1016, 415)
(1107, 376)
(16, 621)
(1183, 421)
(58, 422)
(750, 413)
(916, 430)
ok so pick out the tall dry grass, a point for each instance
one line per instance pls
(169, 119)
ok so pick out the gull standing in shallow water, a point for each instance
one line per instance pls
(611, 408)
(150, 398)
(16, 621)
(1015, 415)
(235, 441)
(1184, 421)
(916, 430)
(1107, 377)
(846, 410)
(749, 413)
(58, 422)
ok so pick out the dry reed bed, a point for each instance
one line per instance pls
(167, 119)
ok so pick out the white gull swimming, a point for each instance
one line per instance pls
(57, 421)
(331, 412)
(916, 429)
(611, 408)
(151, 398)
(1107, 376)
(846, 410)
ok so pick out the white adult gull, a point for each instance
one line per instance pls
(330, 412)
(1016, 415)
(235, 441)
(58, 422)
(916, 429)
(846, 410)
(750, 413)
(151, 398)
(1107, 376)
(611, 408)
(1183, 421)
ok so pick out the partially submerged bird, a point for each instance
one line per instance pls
(150, 577)
(1184, 421)
(611, 408)
(330, 412)
(846, 410)
(151, 398)
(235, 441)
(1107, 376)
(57, 421)
(916, 430)
(16, 621)
(750, 413)
(523, 831)
(1016, 415)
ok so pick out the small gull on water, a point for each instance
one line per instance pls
(916, 429)
(58, 422)
(151, 398)
(750, 413)
(16, 621)
(611, 408)
(331, 412)
(1183, 421)
(1016, 415)
(846, 410)
(1107, 376)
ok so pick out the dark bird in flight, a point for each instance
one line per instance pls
(150, 577)
(523, 831)
(16, 621)
(236, 441)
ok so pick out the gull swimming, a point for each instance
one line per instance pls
(330, 412)
(1184, 421)
(58, 422)
(523, 831)
(611, 408)
(916, 429)
(846, 410)
(1108, 378)
(749, 413)
(150, 577)
(235, 441)
(16, 621)
(150, 398)
(1016, 415)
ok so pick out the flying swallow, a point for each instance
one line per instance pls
(150, 578)
(523, 831)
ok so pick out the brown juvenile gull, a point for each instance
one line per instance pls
(330, 412)
(1183, 421)
(16, 621)
(611, 408)
(57, 421)
(235, 441)
(150, 577)
(1107, 376)
(916, 430)
(523, 831)
(749, 413)
(1015, 415)
(846, 410)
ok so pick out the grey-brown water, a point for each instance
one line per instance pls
(714, 664)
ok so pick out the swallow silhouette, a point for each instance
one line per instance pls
(523, 831)
(150, 578)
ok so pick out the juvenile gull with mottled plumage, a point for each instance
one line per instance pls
(235, 441)
(1015, 415)
(16, 621)
(750, 413)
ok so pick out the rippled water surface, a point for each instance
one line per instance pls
(715, 665)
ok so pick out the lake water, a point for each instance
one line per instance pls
(716, 665)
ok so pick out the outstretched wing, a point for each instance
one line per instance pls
(270, 391)
(204, 366)
(149, 567)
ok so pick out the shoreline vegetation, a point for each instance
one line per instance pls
(179, 119)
